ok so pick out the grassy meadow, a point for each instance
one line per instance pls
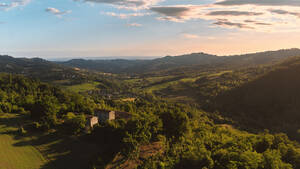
(83, 87)
(40, 151)
(12, 155)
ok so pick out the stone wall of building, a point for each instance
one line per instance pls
(106, 115)
(93, 121)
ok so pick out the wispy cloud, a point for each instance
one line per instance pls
(127, 4)
(234, 13)
(284, 12)
(255, 22)
(226, 23)
(190, 36)
(260, 2)
(57, 12)
(124, 15)
(13, 4)
(269, 15)
(134, 25)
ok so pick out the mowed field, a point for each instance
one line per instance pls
(13, 155)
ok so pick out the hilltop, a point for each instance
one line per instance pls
(37, 68)
(182, 61)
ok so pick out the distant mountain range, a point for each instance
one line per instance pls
(44, 69)
(64, 59)
(169, 62)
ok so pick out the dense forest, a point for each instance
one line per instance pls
(195, 141)
(270, 101)
(45, 104)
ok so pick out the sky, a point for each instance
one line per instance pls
(146, 28)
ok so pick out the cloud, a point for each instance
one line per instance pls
(183, 13)
(262, 23)
(260, 2)
(284, 12)
(187, 12)
(269, 15)
(177, 13)
(172, 11)
(57, 12)
(134, 25)
(127, 4)
(234, 13)
(257, 23)
(125, 15)
(4, 5)
(226, 23)
(13, 4)
(190, 36)
(265, 18)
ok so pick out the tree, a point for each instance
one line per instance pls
(45, 110)
(175, 124)
(74, 123)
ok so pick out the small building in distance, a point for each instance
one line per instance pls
(91, 121)
(104, 115)
(101, 116)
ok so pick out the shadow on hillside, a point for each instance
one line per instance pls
(61, 152)
(10, 125)
(10, 120)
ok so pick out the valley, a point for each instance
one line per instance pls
(149, 84)
(220, 112)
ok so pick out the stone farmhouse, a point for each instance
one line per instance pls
(102, 116)
(91, 121)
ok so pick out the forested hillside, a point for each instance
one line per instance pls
(75, 79)
(166, 128)
(44, 103)
(270, 102)
(149, 139)
(41, 69)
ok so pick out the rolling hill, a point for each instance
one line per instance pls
(74, 79)
(195, 60)
(37, 68)
(149, 138)
(271, 101)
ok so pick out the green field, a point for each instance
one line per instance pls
(184, 80)
(40, 150)
(12, 155)
(170, 83)
(83, 87)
